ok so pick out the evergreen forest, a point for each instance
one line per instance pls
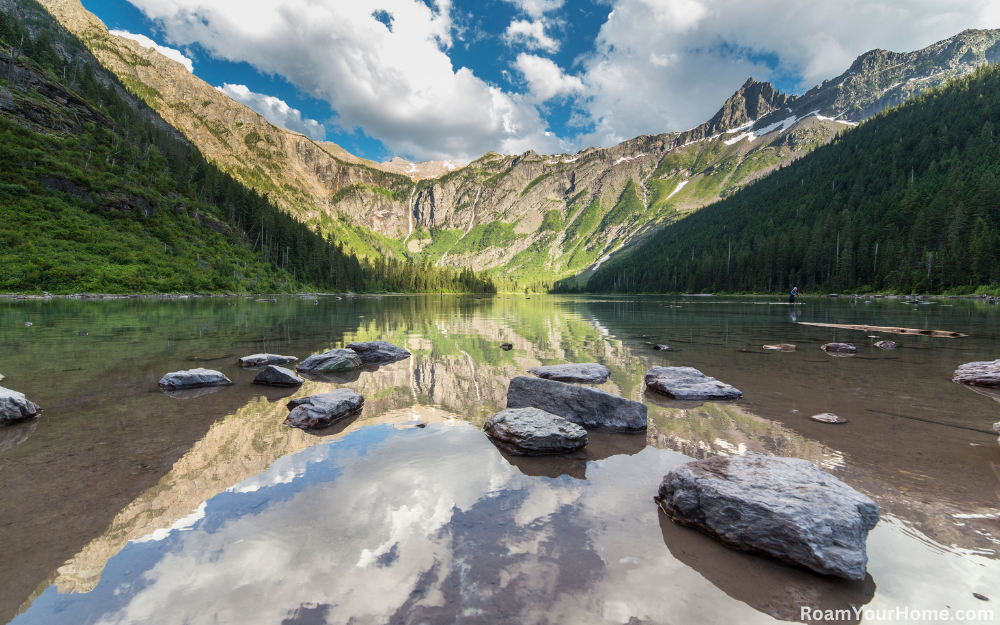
(909, 201)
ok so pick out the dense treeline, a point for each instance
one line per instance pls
(909, 201)
(135, 207)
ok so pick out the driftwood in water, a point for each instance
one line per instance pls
(944, 333)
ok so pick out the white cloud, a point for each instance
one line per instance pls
(275, 111)
(536, 8)
(545, 79)
(146, 42)
(531, 35)
(399, 86)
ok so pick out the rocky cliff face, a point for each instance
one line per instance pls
(527, 217)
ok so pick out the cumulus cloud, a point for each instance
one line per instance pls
(545, 79)
(275, 111)
(536, 8)
(662, 65)
(531, 35)
(146, 42)
(656, 65)
(399, 86)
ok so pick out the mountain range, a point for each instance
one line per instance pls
(527, 218)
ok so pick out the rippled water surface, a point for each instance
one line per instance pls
(123, 505)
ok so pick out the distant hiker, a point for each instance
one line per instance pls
(791, 296)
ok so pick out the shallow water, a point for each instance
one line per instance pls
(123, 505)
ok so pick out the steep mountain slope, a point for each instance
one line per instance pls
(909, 201)
(305, 177)
(99, 193)
(527, 218)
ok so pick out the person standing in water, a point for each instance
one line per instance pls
(791, 296)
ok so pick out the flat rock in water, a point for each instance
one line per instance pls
(687, 383)
(378, 352)
(839, 348)
(661, 348)
(260, 360)
(277, 376)
(985, 373)
(587, 373)
(828, 417)
(193, 378)
(15, 407)
(319, 411)
(887, 345)
(331, 361)
(782, 347)
(583, 405)
(783, 508)
(532, 432)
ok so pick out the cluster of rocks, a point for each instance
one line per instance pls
(548, 414)
(313, 412)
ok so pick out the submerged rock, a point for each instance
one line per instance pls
(839, 348)
(996, 428)
(781, 347)
(277, 376)
(828, 417)
(532, 431)
(260, 360)
(661, 348)
(985, 373)
(687, 383)
(784, 508)
(587, 373)
(331, 361)
(506, 347)
(378, 352)
(319, 411)
(15, 407)
(193, 378)
(887, 345)
(589, 407)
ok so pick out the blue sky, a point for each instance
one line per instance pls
(431, 79)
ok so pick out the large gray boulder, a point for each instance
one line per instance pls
(985, 373)
(589, 407)
(379, 352)
(331, 361)
(587, 373)
(319, 411)
(533, 432)
(15, 407)
(260, 360)
(277, 376)
(193, 378)
(687, 383)
(784, 508)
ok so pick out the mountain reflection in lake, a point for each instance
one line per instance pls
(123, 505)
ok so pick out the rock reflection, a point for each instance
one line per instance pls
(767, 586)
(191, 393)
(17, 433)
(602, 445)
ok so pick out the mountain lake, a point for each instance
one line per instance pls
(121, 504)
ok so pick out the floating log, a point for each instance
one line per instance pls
(914, 331)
